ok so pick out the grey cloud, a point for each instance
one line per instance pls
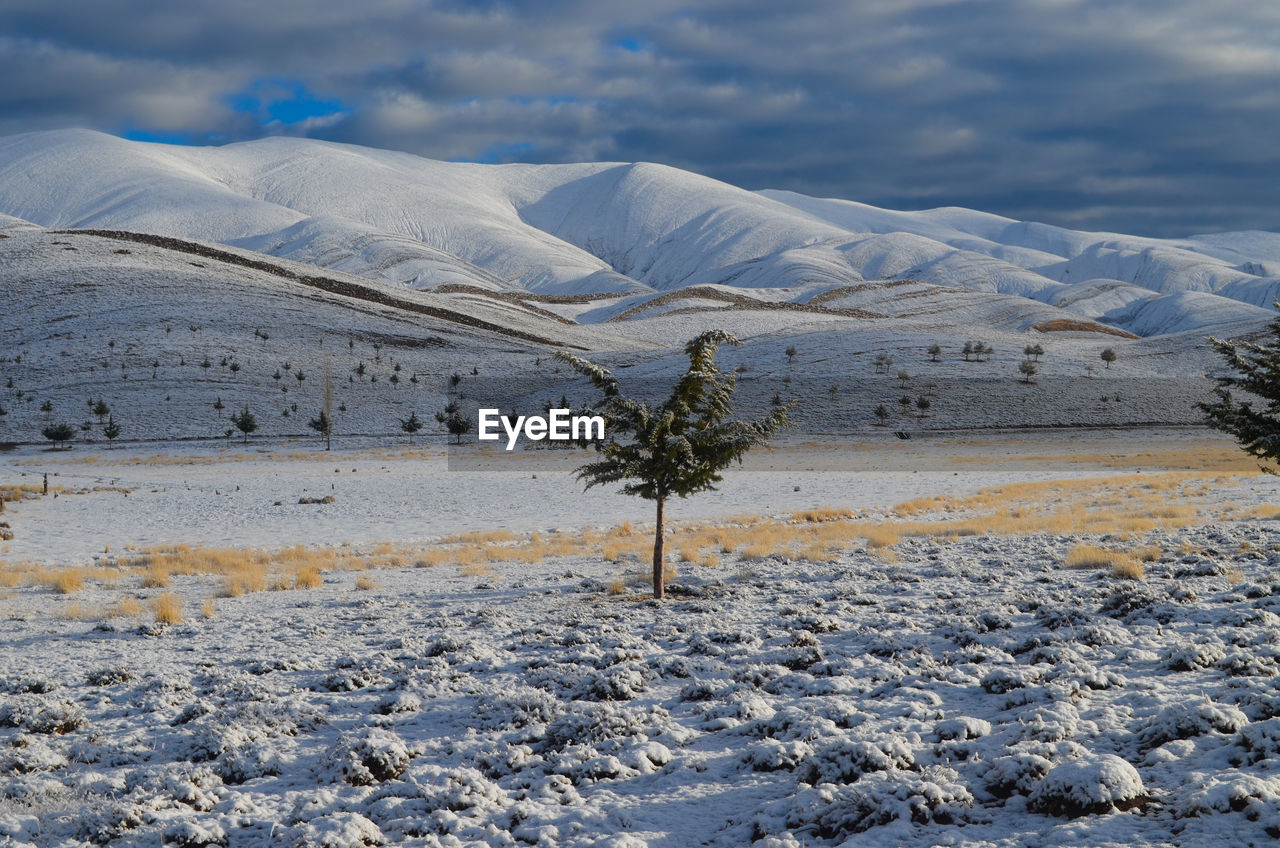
(1142, 116)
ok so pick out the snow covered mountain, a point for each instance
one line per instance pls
(640, 230)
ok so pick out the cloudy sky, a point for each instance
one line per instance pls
(1156, 117)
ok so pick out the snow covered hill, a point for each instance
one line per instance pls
(638, 229)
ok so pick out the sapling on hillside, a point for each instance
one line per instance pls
(59, 433)
(411, 425)
(679, 447)
(245, 422)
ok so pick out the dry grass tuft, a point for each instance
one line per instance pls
(306, 577)
(168, 609)
(1129, 569)
(67, 581)
(1092, 556)
(474, 569)
(126, 607)
(1235, 576)
(879, 535)
(209, 609)
(817, 516)
(155, 578)
(1148, 553)
(366, 583)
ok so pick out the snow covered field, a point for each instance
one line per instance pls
(943, 689)
(1049, 616)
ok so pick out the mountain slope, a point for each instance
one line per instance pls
(636, 229)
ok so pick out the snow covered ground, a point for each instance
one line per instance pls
(947, 682)
(957, 690)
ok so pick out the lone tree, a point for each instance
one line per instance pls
(882, 413)
(59, 433)
(1108, 356)
(101, 409)
(791, 354)
(245, 422)
(1028, 369)
(324, 426)
(1256, 370)
(679, 447)
(111, 429)
(411, 425)
(935, 351)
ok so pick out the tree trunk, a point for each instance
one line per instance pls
(659, 590)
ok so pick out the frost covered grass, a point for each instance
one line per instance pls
(974, 691)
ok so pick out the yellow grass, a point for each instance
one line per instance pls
(168, 609)
(1235, 576)
(1092, 556)
(66, 582)
(814, 516)
(475, 569)
(126, 607)
(155, 578)
(1147, 553)
(1266, 512)
(209, 609)
(306, 577)
(366, 583)
(1128, 570)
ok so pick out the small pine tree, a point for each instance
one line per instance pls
(1108, 356)
(411, 425)
(905, 403)
(675, 449)
(322, 425)
(1028, 369)
(882, 413)
(111, 429)
(46, 408)
(923, 404)
(968, 351)
(59, 433)
(458, 426)
(245, 422)
(904, 377)
(935, 351)
(218, 406)
(1255, 369)
(791, 354)
(454, 379)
